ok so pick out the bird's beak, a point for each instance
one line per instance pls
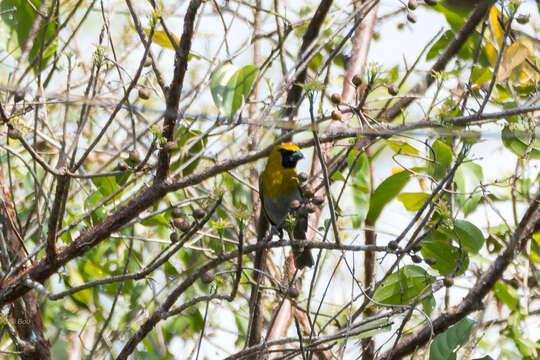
(297, 155)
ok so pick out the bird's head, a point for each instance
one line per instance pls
(288, 154)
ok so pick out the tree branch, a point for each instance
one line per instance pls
(451, 50)
(530, 223)
(175, 89)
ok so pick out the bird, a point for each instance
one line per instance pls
(278, 188)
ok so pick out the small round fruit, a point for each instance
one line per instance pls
(207, 277)
(174, 236)
(417, 247)
(317, 200)
(19, 96)
(447, 282)
(336, 99)
(122, 165)
(412, 5)
(302, 176)
(293, 292)
(393, 90)
(393, 245)
(144, 94)
(411, 17)
(522, 19)
(431, 2)
(416, 259)
(295, 205)
(357, 80)
(13, 133)
(430, 261)
(170, 146)
(308, 192)
(181, 224)
(134, 157)
(335, 115)
(177, 212)
(198, 214)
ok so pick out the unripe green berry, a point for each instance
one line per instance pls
(174, 236)
(357, 80)
(336, 99)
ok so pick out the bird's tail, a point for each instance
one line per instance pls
(302, 256)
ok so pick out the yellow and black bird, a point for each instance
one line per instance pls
(278, 187)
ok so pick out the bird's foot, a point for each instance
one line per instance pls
(275, 231)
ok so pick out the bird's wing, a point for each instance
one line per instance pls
(261, 197)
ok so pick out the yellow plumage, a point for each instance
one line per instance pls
(277, 180)
(278, 187)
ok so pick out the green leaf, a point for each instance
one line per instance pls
(468, 177)
(190, 144)
(231, 86)
(440, 159)
(412, 282)
(523, 133)
(413, 201)
(480, 75)
(507, 295)
(177, 326)
(20, 22)
(196, 321)
(440, 45)
(106, 185)
(428, 304)
(447, 257)
(91, 201)
(444, 346)
(316, 62)
(156, 220)
(454, 16)
(470, 236)
(402, 147)
(338, 176)
(360, 187)
(91, 271)
(535, 248)
(160, 38)
(121, 179)
(385, 192)
(512, 143)
(241, 326)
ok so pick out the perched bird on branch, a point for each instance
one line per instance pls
(282, 199)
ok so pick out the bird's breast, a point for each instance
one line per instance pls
(277, 208)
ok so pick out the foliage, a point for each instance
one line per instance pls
(140, 174)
